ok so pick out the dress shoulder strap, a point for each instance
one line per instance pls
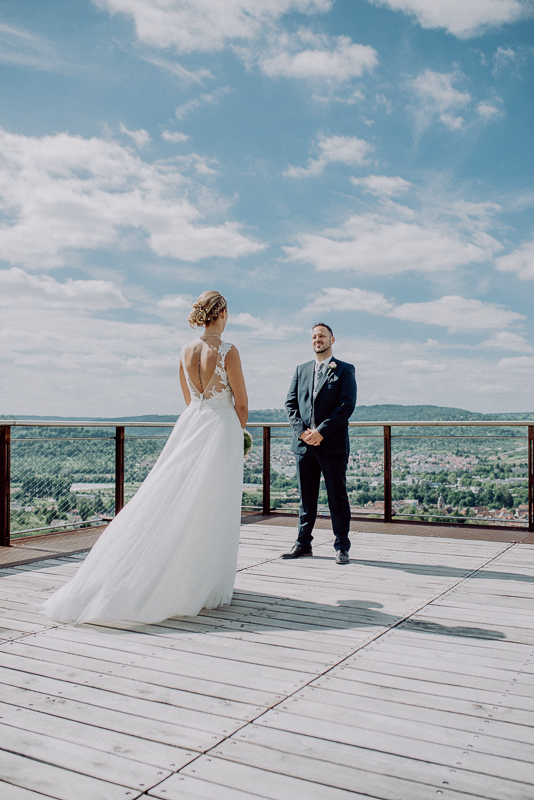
(224, 349)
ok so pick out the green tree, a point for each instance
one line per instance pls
(85, 509)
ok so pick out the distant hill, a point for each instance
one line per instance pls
(362, 413)
(398, 413)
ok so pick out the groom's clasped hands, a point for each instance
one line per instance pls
(311, 437)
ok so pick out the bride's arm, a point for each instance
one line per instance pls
(237, 384)
(183, 384)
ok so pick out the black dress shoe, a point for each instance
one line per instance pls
(342, 557)
(298, 551)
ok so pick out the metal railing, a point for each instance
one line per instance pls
(119, 438)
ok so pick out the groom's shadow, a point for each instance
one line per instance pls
(252, 612)
(437, 570)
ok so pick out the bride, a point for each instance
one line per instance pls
(172, 550)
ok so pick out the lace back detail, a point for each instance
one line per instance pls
(218, 384)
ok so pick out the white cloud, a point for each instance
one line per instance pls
(439, 97)
(206, 25)
(488, 110)
(333, 299)
(261, 329)
(504, 58)
(453, 312)
(174, 136)
(451, 122)
(462, 18)
(382, 185)
(186, 76)
(423, 366)
(520, 261)
(41, 291)
(306, 55)
(506, 340)
(205, 99)
(177, 301)
(521, 365)
(401, 371)
(86, 365)
(27, 49)
(382, 245)
(64, 192)
(342, 149)
(458, 314)
(140, 137)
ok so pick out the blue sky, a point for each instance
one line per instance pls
(363, 162)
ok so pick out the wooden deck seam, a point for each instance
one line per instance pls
(330, 668)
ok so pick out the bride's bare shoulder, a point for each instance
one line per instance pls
(191, 346)
(232, 354)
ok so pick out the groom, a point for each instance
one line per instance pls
(319, 403)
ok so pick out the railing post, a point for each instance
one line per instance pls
(387, 473)
(266, 501)
(5, 485)
(119, 468)
(531, 477)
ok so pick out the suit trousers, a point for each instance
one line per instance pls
(334, 470)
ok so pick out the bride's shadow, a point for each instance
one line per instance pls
(253, 612)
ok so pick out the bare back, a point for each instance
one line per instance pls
(211, 369)
(200, 360)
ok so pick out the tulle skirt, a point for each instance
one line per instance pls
(172, 550)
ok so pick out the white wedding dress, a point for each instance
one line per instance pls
(172, 550)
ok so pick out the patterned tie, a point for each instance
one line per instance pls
(318, 376)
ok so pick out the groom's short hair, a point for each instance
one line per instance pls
(323, 325)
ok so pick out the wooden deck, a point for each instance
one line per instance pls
(406, 675)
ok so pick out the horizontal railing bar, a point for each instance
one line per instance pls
(87, 524)
(458, 437)
(68, 439)
(36, 423)
(353, 424)
(145, 438)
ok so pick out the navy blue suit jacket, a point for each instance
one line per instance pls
(333, 406)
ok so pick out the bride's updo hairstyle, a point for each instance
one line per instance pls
(208, 308)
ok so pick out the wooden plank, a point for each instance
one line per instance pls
(264, 654)
(82, 759)
(426, 621)
(138, 707)
(487, 710)
(132, 688)
(122, 744)
(419, 736)
(10, 792)
(512, 618)
(258, 782)
(224, 670)
(473, 694)
(61, 784)
(185, 787)
(147, 674)
(468, 658)
(494, 774)
(345, 776)
(422, 774)
(155, 730)
(253, 628)
(507, 651)
(451, 673)
(511, 740)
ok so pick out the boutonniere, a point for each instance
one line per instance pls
(332, 366)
